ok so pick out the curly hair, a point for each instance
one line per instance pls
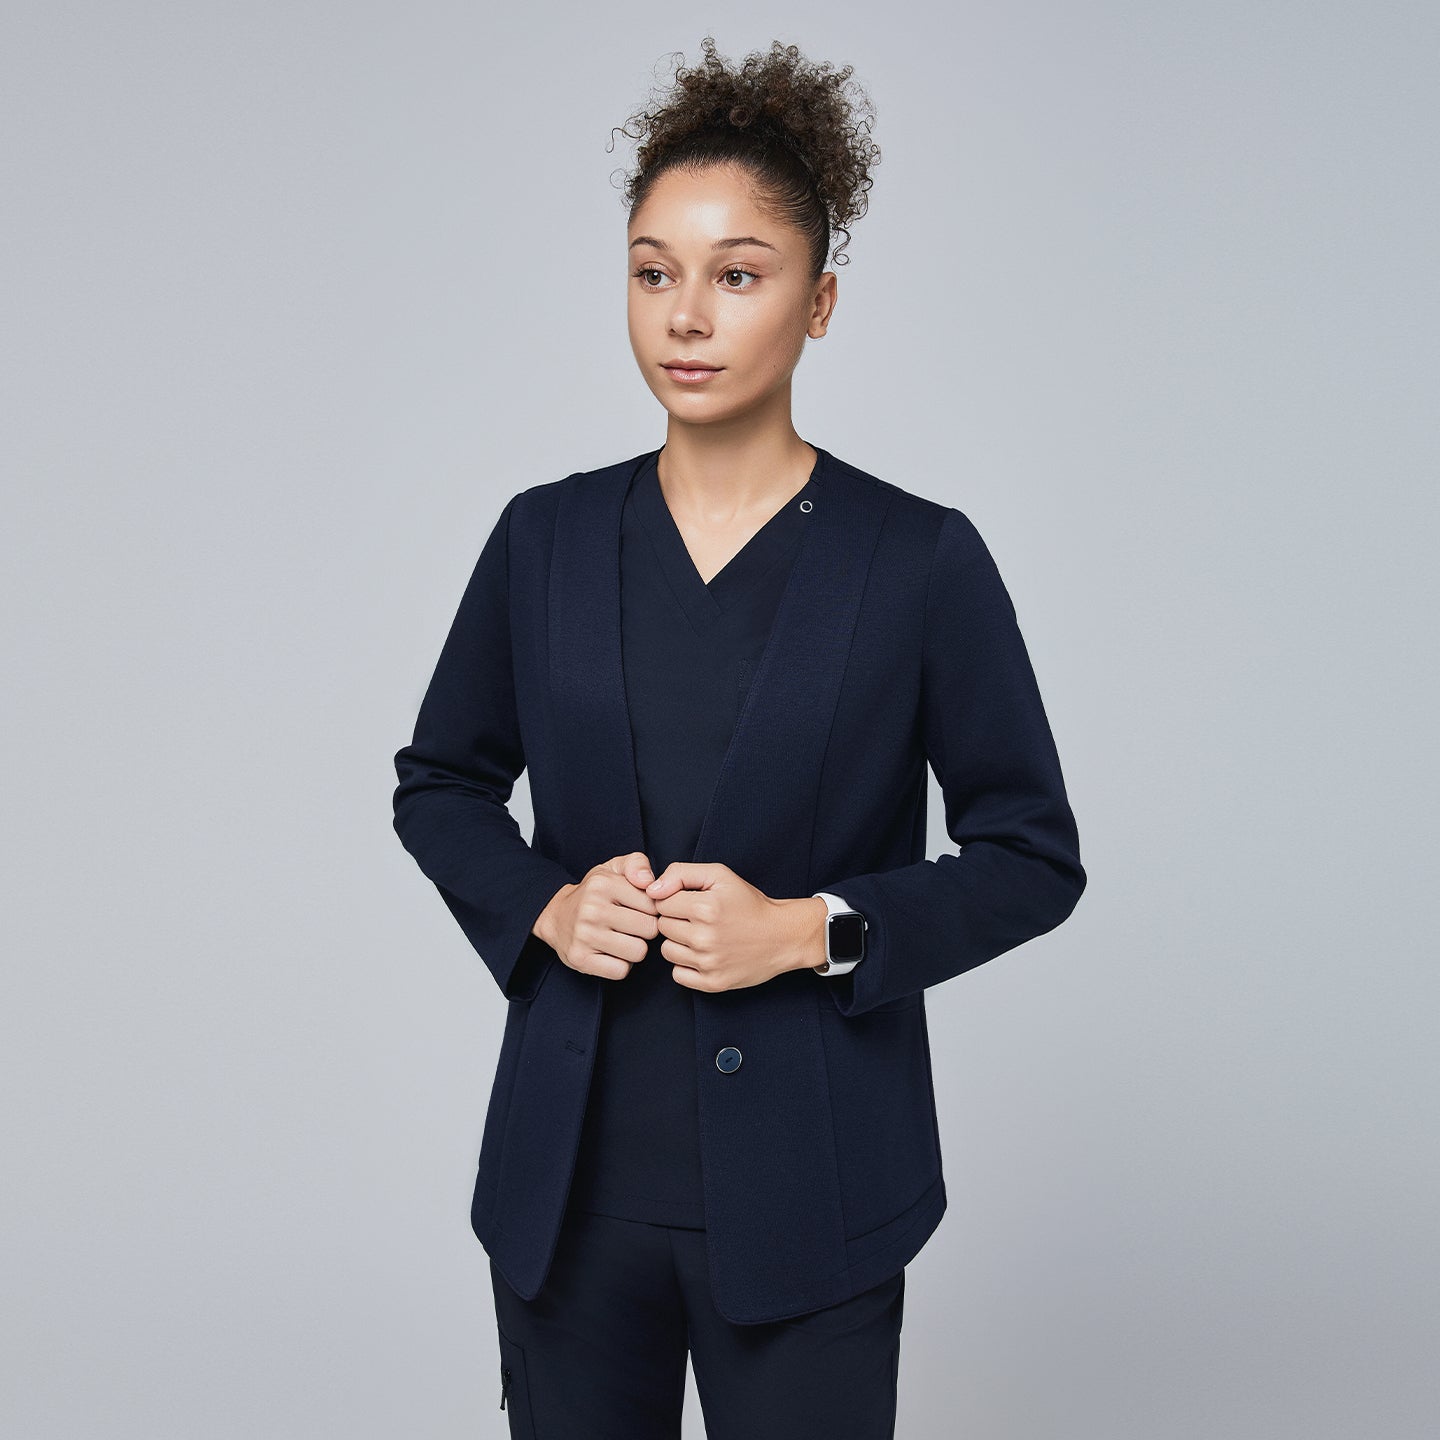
(801, 129)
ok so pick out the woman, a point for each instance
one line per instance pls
(726, 663)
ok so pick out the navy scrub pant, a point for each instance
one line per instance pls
(600, 1352)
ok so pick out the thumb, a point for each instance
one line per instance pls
(675, 876)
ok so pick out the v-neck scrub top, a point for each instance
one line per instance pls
(689, 651)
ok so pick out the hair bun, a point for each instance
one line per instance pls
(802, 126)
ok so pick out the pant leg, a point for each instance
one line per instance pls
(600, 1351)
(831, 1372)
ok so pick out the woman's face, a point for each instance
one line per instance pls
(714, 280)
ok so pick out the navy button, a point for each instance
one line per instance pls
(728, 1059)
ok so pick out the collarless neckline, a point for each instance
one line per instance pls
(774, 540)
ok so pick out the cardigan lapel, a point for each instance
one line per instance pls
(761, 812)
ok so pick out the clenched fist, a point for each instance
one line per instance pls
(721, 933)
(603, 925)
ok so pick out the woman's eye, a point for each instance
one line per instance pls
(644, 272)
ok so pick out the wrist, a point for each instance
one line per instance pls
(807, 951)
(544, 926)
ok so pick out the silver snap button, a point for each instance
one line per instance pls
(807, 506)
(728, 1059)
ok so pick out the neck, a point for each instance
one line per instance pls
(718, 477)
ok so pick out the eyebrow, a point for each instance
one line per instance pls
(730, 243)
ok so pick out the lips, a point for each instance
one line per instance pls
(696, 373)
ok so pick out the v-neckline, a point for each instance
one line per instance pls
(705, 600)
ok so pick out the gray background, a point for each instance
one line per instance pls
(1149, 291)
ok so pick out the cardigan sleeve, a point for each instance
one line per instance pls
(456, 776)
(1017, 872)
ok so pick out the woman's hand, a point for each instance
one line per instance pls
(721, 933)
(603, 925)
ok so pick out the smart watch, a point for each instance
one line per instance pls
(844, 936)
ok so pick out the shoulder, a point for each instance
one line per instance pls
(904, 501)
(943, 541)
(943, 533)
(539, 503)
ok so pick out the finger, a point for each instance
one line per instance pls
(606, 967)
(620, 891)
(638, 871)
(673, 924)
(613, 945)
(683, 875)
(691, 979)
(624, 916)
(635, 867)
(677, 952)
(685, 905)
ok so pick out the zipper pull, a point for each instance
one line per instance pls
(504, 1384)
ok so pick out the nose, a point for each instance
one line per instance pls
(689, 315)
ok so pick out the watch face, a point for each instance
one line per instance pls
(847, 937)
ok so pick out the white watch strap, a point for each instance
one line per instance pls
(834, 905)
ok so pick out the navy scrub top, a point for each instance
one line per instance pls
(689, 651)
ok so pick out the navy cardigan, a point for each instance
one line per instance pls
(895, 644)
